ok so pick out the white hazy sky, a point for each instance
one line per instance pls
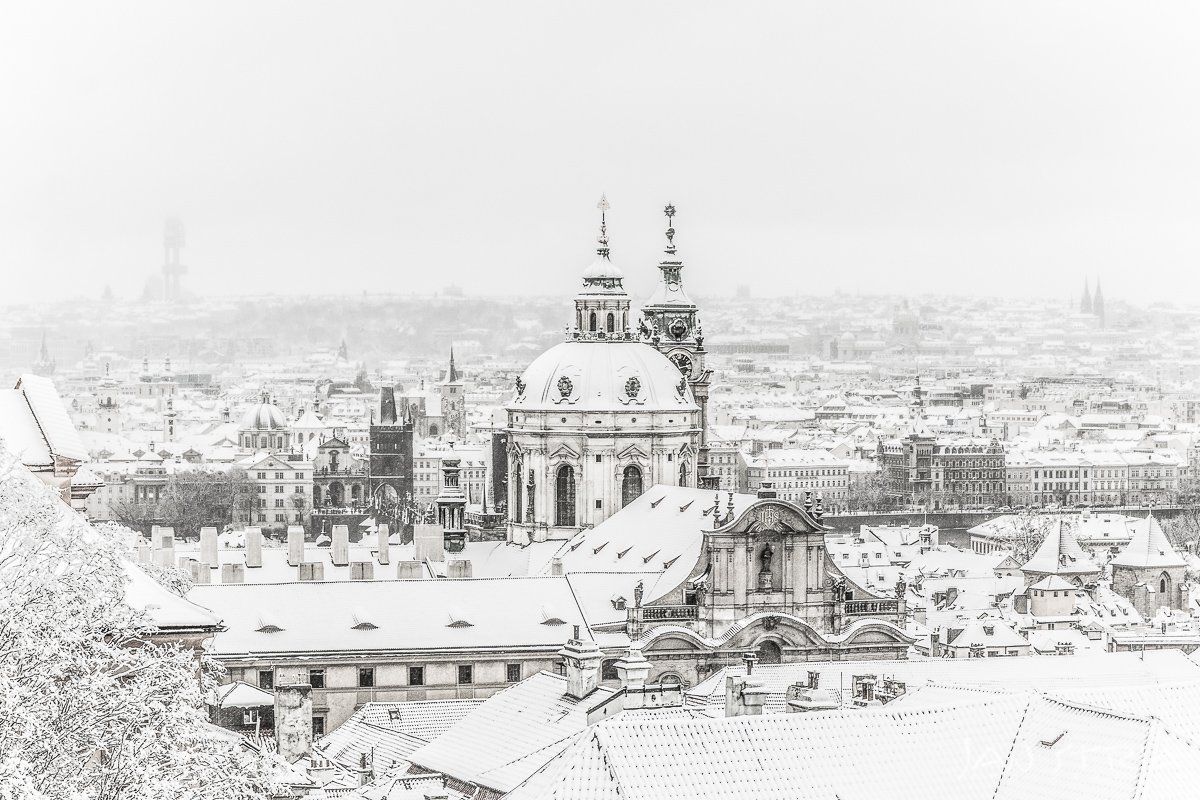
(1006, 147)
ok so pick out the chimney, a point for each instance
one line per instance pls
(295, 539)
(254, 542)
(460, 568)
(408, 570)
(208, 546)
(744, 696)
(293, 721)
(164, 546)
(633, 669)
(428, 542)
(383, 548)
(582, 661)
(233, 573)
(814, 679)
(556, 566)
(341, 545)
(201, 574)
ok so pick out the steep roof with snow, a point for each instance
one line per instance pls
(1060, 554)
(1149, 548)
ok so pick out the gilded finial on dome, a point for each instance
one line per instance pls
(602, 250)
(670, 212)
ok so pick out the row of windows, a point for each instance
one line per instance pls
(465, 674)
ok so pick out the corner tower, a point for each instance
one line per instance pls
(672, 322)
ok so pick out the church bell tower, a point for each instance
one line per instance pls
(672, 322)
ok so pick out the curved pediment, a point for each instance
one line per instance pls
(774, 515)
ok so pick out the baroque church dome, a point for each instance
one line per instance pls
(265, 416)
(595, 375)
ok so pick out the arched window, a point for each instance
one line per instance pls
(433, 430)
(769, 653)
(631, 485)
(612, 322)
(592, 322)
(1164, 583)
(683, 472)
(671, 679)
(518, 483)
(624, 320)
(564, 495)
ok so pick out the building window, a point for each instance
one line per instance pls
(631, 485)
(266, 679)
(318, 727)
(250, 717)
(512, 672)
(564, 489)
(416, 676)
(366, 677)
(466, 674)
(316, 678)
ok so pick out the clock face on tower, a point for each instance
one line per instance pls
(682, 363)
(678, 328)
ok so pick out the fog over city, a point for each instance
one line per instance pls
(576, 401)
(991, 148)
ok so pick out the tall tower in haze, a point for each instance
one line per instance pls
(673, 321)
(172, 270)
(1098, 304)
(1085, 301)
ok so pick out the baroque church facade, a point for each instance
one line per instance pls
(599, 418)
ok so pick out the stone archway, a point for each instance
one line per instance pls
(769, 652)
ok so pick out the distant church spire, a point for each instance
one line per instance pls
(45, 364)
(452, 374)
(1098, 303)
(1085, 302)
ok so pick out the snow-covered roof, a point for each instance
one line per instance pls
(319, 616)
(1053, 583)
(491, 745)
(1060, 554)
(661, 531)
(1015, 673)
(240, 695)
(34, 424)
(1048, 749)
(1149, 547)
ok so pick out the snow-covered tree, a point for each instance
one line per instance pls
(90, 707)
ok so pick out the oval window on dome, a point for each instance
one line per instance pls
(565, 386)
(632, 387)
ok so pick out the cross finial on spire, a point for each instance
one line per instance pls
(670, 212)
(602, 250)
